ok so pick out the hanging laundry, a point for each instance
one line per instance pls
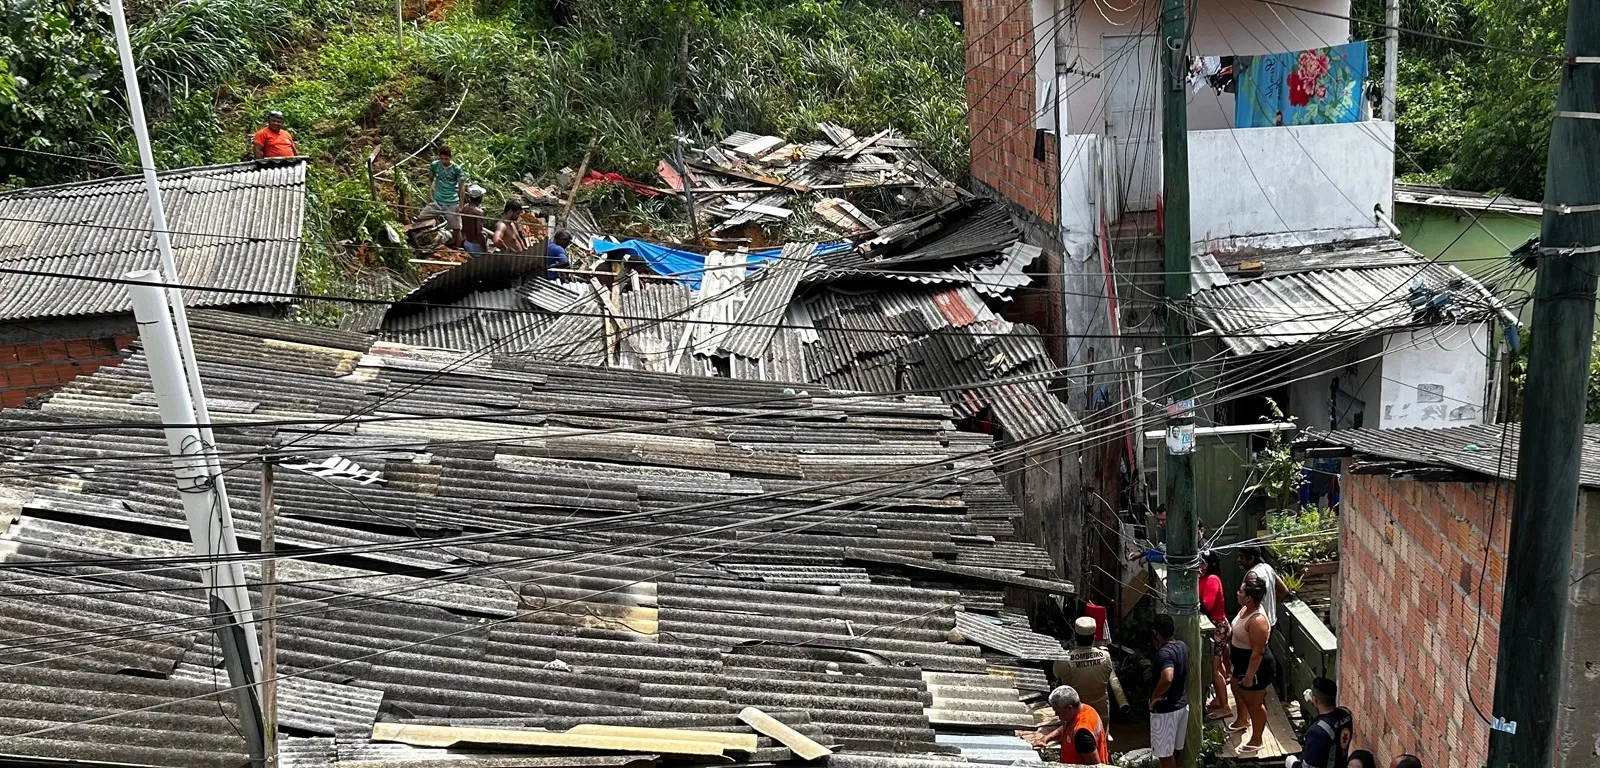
(1322, 85)
(1223, 80)
(1201, 69)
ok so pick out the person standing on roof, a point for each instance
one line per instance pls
(471, 237)
(1088, 669)
(1076, 717)
(449, 186)
(273, 140)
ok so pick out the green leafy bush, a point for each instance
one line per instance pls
(1313, 535)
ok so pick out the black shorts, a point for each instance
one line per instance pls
(1241, 664)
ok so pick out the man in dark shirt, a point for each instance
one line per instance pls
(1327, 741)
(1169, 706)
(555, 253)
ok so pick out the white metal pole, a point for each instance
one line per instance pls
(163, 240)
(210, 525)
(1138, 422)
(1391, 57)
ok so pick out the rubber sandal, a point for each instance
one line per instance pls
(1237, 728)
(1246, 749)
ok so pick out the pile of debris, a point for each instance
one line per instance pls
(750, 179)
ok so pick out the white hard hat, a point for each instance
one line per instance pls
(1085, 626)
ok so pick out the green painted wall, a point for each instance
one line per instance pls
(1481, 250)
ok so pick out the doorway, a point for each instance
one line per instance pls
(1133, 117)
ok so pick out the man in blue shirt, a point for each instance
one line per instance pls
(1169, 705)
(555, 254)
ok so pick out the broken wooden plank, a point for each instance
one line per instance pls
(449, 736)
(747, 175)
(744, 742)
(797, 742)
(765, 210)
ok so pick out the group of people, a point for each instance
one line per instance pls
(451, 199)
(1244, 672)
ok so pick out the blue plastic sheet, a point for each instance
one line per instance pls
(687, 267)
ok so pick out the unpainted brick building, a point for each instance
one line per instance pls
(1425, 525)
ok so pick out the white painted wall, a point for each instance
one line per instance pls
(1435, 378)
(1356, 368)
(1044, 62)
(1290, 185)
(1222, 27)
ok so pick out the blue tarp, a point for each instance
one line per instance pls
(687, 266)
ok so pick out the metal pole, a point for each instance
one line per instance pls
(269, 611)
(399, 25)
(688, 186)
(1183, 594)
(1391, 57)
(169, 266)
(1138, 423)
(1539, 580)
(210, 524)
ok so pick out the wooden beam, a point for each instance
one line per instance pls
(798, 743)
(744, 742)
(447, 736)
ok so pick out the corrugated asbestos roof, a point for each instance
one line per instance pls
(1486, 449)
(727, 585)
(1323, 295)
(233, 226)
(1461, 200)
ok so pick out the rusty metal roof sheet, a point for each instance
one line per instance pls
(234, 226)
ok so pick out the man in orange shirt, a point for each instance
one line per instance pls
(274, 140)
(1077, 717)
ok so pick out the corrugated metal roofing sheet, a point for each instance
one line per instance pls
(1487, 449)
(1331, 300)
(234, 226)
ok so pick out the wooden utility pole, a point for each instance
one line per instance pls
(1528, 672)
(1183, 593)
(269, 611)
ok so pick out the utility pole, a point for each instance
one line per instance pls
(399, 25)
(199, 486)
(1391, 56)
(269, 610)
(1528, 671)
(1183, 593)
(163, 308)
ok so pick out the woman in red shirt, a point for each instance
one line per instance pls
(1212, 602)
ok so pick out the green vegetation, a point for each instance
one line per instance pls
(1471, 117)
(538, 82)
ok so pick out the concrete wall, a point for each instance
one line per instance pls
(1291, 185)
(33, 368)
(1436, 378)
(1412, 555)
(1311, 392)
(1225, 27)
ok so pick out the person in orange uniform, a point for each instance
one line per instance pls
(274, 140)
(1077, 717)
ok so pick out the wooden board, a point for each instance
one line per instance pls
(446, 736)
(798, 743)
(1276, 742)
(744, 742)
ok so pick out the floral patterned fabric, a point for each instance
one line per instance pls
(1322, 85)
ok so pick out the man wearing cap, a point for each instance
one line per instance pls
(1089, 670)
(470, 238)
(273, 140)
(1327, 741)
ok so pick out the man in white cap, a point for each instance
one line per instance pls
(469, 236)
(1088, 669)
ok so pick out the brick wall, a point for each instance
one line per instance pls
(1412, 553)
(1002, 105)
(33, 368)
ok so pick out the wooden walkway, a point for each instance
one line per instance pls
(1276, 742)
